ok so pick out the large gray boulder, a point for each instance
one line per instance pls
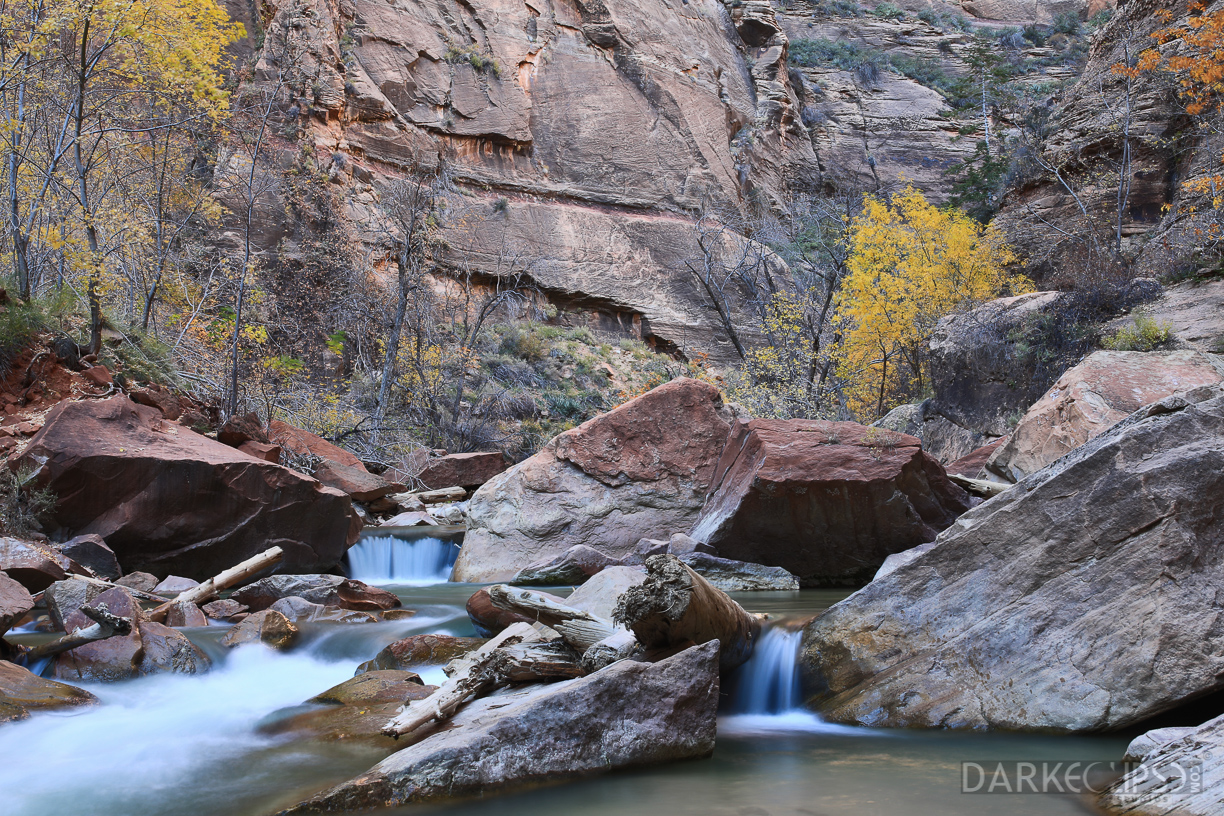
(627, 714)
(1085, 598)
(643, 466)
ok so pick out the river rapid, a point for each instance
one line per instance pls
(173, 745)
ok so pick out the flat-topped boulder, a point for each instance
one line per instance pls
(826, 501)
(1081, 599)
(168, 500)
(468, 470)
(1106, 387)
(645, 465)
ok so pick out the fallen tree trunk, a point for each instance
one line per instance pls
(233, 576)
(466, 680)
(675, 608)
(105, 625)
(578, 628)
(619, 645)
(979, 487)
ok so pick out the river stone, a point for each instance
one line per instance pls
(300, 610)
(15, 602)
(35, 566)
(65, 597)
(91, 551)
(22, 689)
(334, 590)
(627, 714)
(185, 614)
(826, 501)
(115, 658)
(1158, 786)
(267, 627)
(354, 711)
(371, 688)
(421, 650)
(740, 576)
(139, 581)
(645, 465)
(1104, 388)
(223, 610)
(487, 619)
(574, 566)
(163, 649)
(1083, 599)
(172, 585)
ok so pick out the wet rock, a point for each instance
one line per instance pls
(826, 501)
(26, 691)
(413, 518)
(397, 614)
(362, 485)
(1072, 602)
(1183, 776)
(267, 627)
(139, 581)
(469, 470)
(91, 551)
(1104, 388)
(355, 710)
(116, 658)
(627, 714)
(238, 430)
(172, 585)
(35, 566)
(185, 614)
(740, 576)
(223, 610)
(299, 610)
(15, 602)
(327, 590)
(645, 465)
(181, 502)
(162, 649)
(421, 650)
(486, 618)
(67, 596)
(372, 688)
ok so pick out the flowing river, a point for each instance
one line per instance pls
(189, 746)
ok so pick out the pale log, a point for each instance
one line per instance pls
(617, 646)
(675, 607)
(105, 625)
(979, 487)
(580, 629)
(233, 576)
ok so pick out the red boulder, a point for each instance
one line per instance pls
(462, 470)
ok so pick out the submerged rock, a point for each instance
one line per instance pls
(268, 627)
(25, 691)
(420, 650)
(645, 465)
(1078, 600)
(826, 501)
(627, 714)
(356, 710)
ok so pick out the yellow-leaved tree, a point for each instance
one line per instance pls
(910, 264)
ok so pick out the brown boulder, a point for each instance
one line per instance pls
(98, 375)
(827, 501)
(21, 688)
(1102, 390)
(262, 450)
(971, 465)
(139, 581)
(240, 429)
(356, 482)
(185, 614)
(110, 660)
(168, 499)
(15, 602)
(268, 627)
(162, 649)
(357, 709)
(91, 551)
(223, 610)
(462, 470)
(157, 397)
(486, 618)
(65, 597)
(172, 585)
(304, 443)
(300, 610)
(421, 650)
(645, 465)
(372, 688)
(35, 566)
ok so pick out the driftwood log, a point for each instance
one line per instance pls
(233, 576)
(979, 487)
(578, 628)
(675, 607)
(105, 625)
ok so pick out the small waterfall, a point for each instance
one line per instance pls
(769, 683)
(390, 560)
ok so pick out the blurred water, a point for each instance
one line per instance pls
(391, 560)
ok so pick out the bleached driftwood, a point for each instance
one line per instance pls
(619, 645)
(580, 629)
(979, 487)
(105, 625)
(223, 580)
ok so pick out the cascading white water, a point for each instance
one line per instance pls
(391, 560)
(768, 682)
(767, 696)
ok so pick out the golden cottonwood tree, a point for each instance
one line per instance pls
(910, 264)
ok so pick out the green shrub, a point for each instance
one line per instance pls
(1068, 23)
(889, 11)
(1144, 334)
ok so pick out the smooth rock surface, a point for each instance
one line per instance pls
(327, 590)
(268, 627)
(421, 650)
(21, 688)
(740, 576)
(625, 715)
(167, 499)
(826, 501)
(1104, 388)
(1079, 600)
(33, 565)
(600, 594)
(468, 470)
(645, 465)
(1181, 777)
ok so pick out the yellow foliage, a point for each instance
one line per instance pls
(910, 265)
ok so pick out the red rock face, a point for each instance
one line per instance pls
(462, 470)
(239, 429)
(35, 566)
(828, 501)
(356, 482)
(304, 442)
(971, 466)
(166, 499)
